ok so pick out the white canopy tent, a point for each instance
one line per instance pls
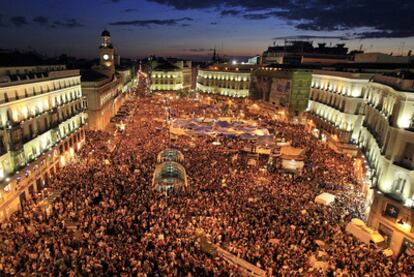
(292, 165)
(325, 199)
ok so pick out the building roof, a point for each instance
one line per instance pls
(242, 68)
(166, 67)
(400, 80)
(105, 33)
(170, 154)
(169, 172)
(92, 76)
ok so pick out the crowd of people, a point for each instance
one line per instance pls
(109, 221)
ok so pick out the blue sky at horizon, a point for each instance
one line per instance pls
(171, 28)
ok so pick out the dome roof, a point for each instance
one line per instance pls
(169, 172)
(105, 33)
(169, 154)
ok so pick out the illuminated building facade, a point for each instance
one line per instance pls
(284, 88)
(336, 103)
(377, 113)
(41, 127)
(224, 79)
(171, 75)
(387, 138)
(102, 87)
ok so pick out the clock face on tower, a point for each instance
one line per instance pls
(105, 57)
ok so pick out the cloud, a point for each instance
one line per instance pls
(19, 21)
(188, 5)
(1, 21)
(230, 12)
(245, 4)
(129, 10)
(258, 16)
(67, 23)
(42, 20)
(311, 37)
(378, 18)
(213, 23)
(152, 22)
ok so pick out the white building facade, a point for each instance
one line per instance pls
(377, 113)
(223, 80)
(41, 109)
(387, 139)
(337, 99)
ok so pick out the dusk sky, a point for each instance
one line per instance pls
(189, 28)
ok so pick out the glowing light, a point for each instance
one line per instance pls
(62, 160)
(7, 188)
(404, 122)
(404, 226)
(409, 203)
(387, 187)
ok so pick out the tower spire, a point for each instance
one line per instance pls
(214, 55)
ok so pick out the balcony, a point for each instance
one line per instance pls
(16, 124)
(36, 93)
(28, 137)
(374, 133)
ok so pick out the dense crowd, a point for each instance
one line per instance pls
(110, 221)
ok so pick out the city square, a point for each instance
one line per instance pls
(108, 218)
(161, 144)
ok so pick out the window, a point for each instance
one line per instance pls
(6, 97)
(31, 132)
(398, 185)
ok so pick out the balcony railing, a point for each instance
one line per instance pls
(13, 124)
(12, 98)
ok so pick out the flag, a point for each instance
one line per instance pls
(391, 211)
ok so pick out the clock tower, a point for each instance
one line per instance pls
(106, 55)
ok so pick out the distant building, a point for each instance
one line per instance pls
(171, 75)
(225, 79)
(42, 123)
(103, 88)
(298, 52)
(254, 60)
(285, 88)
(382, 58)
